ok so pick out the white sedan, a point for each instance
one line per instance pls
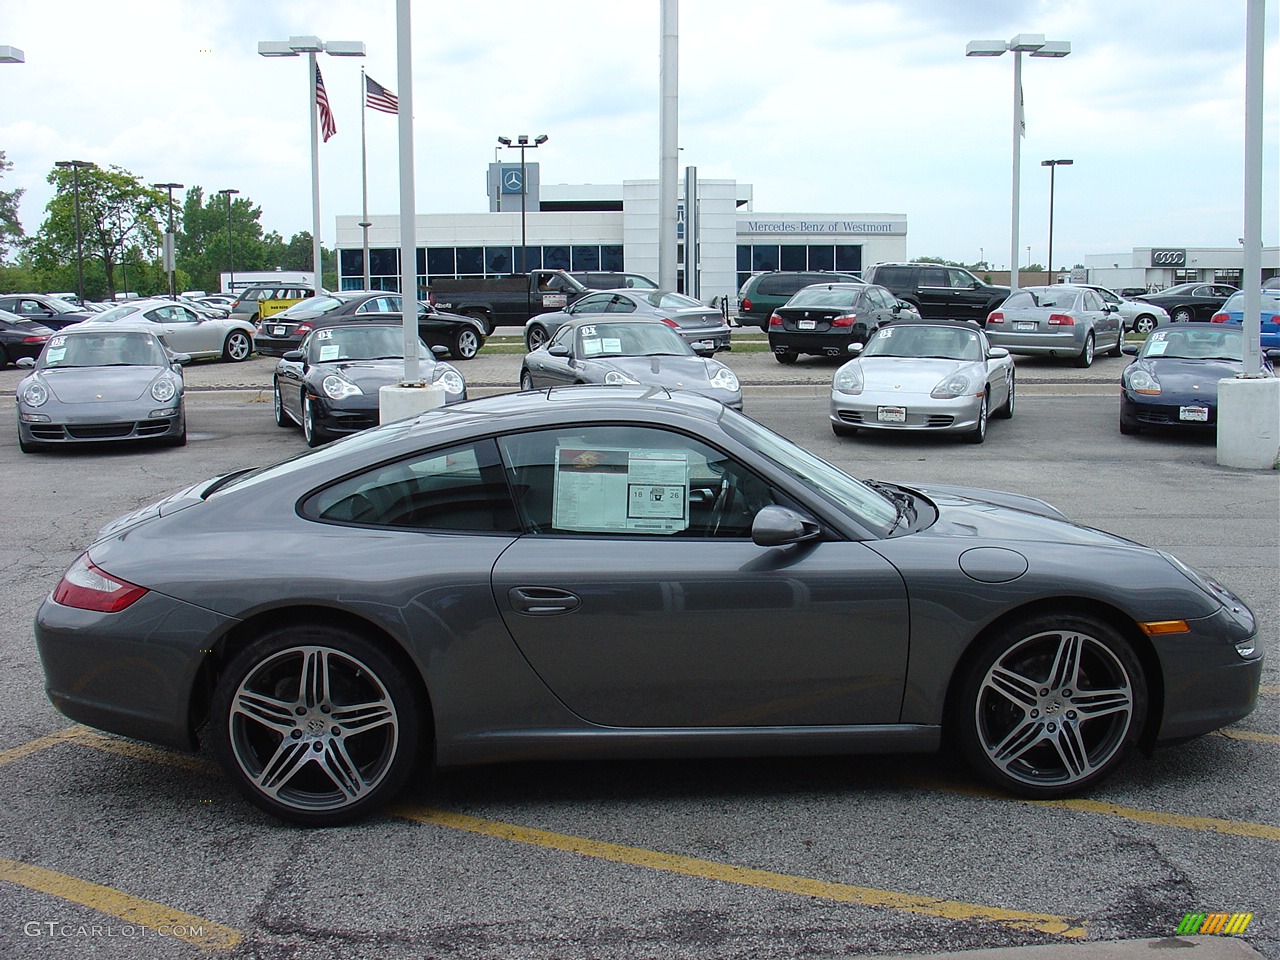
(183, 329)
(1138, 315)
(936, 376)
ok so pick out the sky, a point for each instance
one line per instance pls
(823, 106)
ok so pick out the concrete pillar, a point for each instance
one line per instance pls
(1249, 423)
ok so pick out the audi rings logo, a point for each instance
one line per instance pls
(1168, 258)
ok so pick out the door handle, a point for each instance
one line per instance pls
(542, 601)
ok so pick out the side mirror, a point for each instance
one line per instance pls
(293, 356)
(1129, 349)
(440, 350)
(1272, 354)
(180, 359)
(558, 350)
(26, 363)
(776, 526)
(855, 348)
(996, 353)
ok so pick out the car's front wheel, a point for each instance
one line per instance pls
(1144, 324)
(1006, 410)
(237, 346)
(843, 430)
(526, 380)
(312, 431)
(1050, 706)
(316, 725)
(979, 433)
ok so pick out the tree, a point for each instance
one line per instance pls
(10, 225)
(120, 216)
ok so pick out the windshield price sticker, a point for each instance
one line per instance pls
(328, 352)
(591, 348)
(616, 490)
(55, 354)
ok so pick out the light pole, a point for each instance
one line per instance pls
(311, 46)
(1052, 165)
(75, 166)
(231, 251)
(1036, 45)
(170, 253)
(522, 144)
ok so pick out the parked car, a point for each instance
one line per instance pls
(1233, 312)
(1271, 283)
(935, 376)
(763, 293)
(1191, 301)
(939, 292)
(508, 300)
(1058, 321)
(249, 302)
(826, 318)
(94, 385)
(694, 321)
(329, 386)
(1138, 315)
(627, 351)
(183, 329)
(1174, 381)
(20, 337)
(461, 336)
(54, 312)
(622, 572)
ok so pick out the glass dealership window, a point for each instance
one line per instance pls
(849, 257)
(555, 258)
(498, 260)
(764, 257)
(532, 259)
(440, 262)
(611, 258)
(793, 256)
(822, 258)
(744, 258)
(470, 261)
(384, 262)
(586, 258)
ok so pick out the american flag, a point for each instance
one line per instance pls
(379, 97)
(327, 127)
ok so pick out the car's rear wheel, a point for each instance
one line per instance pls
(1118, 349)
(1144, 324)
(237, 346)
(1182, 315)
(535, 337)
(1085, 358)
(784, 356)
(316, 725)
(466, 344)
(1050, 706)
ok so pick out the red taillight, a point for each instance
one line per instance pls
(670, 323)
(845, 321)
(1219, 318)
(995, 316)
(91, 588)
(745, 304)
(34, 339)
(1061, 320)
(302, 329)
(775, 321)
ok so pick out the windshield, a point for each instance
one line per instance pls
(62, 306)
(824, 297)
(103, 349)
(114, 314)
(1270, 301)
(334, 344)
(869, 507)
(597, 340)
(1207, 343)
(939, 342)
(671, 301)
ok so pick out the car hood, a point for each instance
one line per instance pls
(909, 374)
(1191, 376)
(675, 372)
(99, 384)
(368, 375)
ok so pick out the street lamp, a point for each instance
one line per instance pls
(170, 254)
(311, 46)
(1052, 165)
(231, 255)
(522, 144)
(75, 166)
(1036, 45)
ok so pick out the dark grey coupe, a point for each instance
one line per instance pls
(597, 350)
(624, 572)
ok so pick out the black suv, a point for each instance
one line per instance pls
(939, 292)
(764, 293)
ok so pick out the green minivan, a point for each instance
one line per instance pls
(765, 292)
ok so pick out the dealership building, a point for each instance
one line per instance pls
(1158, 267)
(593, 227)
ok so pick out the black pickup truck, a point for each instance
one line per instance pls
(513, 300)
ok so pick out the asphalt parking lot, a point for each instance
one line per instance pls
(115, 849)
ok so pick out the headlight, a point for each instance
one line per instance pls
(35, 393)
(954, 386)
(1210, 586)
(1142, 382)
(450, 379)
(725, 380)
(617, 376)
(848, 379)
(338, 388)
(163, 390)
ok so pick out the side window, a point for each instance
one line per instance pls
(619, 304)
(934, 277)
(161, 315)
(961, 278)
(630, 481)
(458, 489)
(563, 335)
(1092, 301)
(597, 303)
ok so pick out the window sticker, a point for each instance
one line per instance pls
(591, 348)
(329, 352)
(55, 354)
(611, 345)
(617, 490)
(1157, 347)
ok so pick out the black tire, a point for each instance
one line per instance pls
(316, 725)
(484, 319)
(29, 446)
(1129, 429)
(466, 344)
(1085, 358)
(526, 380)
(843, 429)
(1049, 706)
(4, 358)
(1006, 409)
(181, 439)
(1182, 315)
(979, 433)
(786, 358)
(315, 435)
(1144, 323)
(237, 346)
(1118, 349)
(277, 403)
(535, 337)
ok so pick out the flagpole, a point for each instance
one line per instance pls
(364, 177)
(315, 175)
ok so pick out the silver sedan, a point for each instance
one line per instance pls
(937, 376)
(694, 321)
(1058, 321)
(184, 330)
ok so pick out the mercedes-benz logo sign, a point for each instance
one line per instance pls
(512, 179)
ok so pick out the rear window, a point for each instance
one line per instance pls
(785, 284)
(824, 296)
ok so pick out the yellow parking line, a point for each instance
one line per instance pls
(115, 903)
(746, 876)
(1269, 689)
(40, 743)
(1256, 736)
(140, 751)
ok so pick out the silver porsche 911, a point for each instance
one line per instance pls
(98, 384)
(924, 375)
